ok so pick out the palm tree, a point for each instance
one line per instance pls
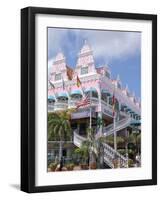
(59, 128)
(94, 147)
(82, 153)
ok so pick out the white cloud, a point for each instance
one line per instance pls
(107, 45)
(114, 45)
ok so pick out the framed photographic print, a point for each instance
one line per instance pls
(88, 99)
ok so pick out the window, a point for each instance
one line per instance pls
(57, 77)
(119, 85)
(107, 74)
(84, 70)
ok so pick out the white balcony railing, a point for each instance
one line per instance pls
(72, 103)
(110, 155)
(77, 139)
(50, 107)
(60, 106)
(121, 124)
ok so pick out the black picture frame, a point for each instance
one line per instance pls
(28, 98)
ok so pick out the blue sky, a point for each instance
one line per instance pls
(120, 50)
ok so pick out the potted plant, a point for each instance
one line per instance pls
(53, 166)
(93, 165)
(116, 163)
(130, 163)
(70, 166)
(84, 166)
(82, 155)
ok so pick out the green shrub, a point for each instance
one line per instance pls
(69, 166)
(53, 166)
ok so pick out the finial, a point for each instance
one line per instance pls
(118, 77)
(85, 41)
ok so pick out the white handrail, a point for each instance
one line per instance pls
(111, 154)
(77, 139)
(119, 125)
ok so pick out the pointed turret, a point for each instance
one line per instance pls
(59, 58)
(118, 77)
(127, 88)
(85, 62)
(59, 67)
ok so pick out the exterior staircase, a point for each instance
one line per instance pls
(110, 155)
(119, 125)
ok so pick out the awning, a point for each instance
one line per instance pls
(105, 91)
(62, 94)
(90, 89)
(75, 92)
(135, 123)
(128, 109)
(123, 105)
(50, 97)
(132, 112)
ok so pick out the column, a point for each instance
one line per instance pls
(100, 125)
(100, 112)
(126, 145)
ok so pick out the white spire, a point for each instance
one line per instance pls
(118, 77)
(127, 88)
(59, 56)
(86, 48)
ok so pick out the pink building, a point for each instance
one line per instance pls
(96, 78)
(65, 94)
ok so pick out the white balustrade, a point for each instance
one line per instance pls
(50, 107)
(110, 155)
(119, 126)
(77, 139)
(60, 106)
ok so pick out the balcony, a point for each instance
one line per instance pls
(60, 106)
(50, 107)
(72, 103)
(63, 105)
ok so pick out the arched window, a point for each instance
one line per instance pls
(84, 70)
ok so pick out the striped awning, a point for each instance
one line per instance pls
(132, 112)
(90, 89)
(73, 92)
(105, 91)
(135, 123)
(50, 97)
(62, 94)
(123, 105)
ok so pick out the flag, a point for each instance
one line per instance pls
(78, 82)
(85, 101)
(70, 73)
(63, 83)
(113, 104)
(51, 84)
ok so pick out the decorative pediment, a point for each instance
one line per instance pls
(85, 60)
(59, 63)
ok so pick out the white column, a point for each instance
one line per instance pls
(127, 153)
(100, 110)
(115, 133)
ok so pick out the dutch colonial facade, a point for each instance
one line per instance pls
(98, 81)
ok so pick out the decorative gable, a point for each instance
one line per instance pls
(85, 62)
(59, 68)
